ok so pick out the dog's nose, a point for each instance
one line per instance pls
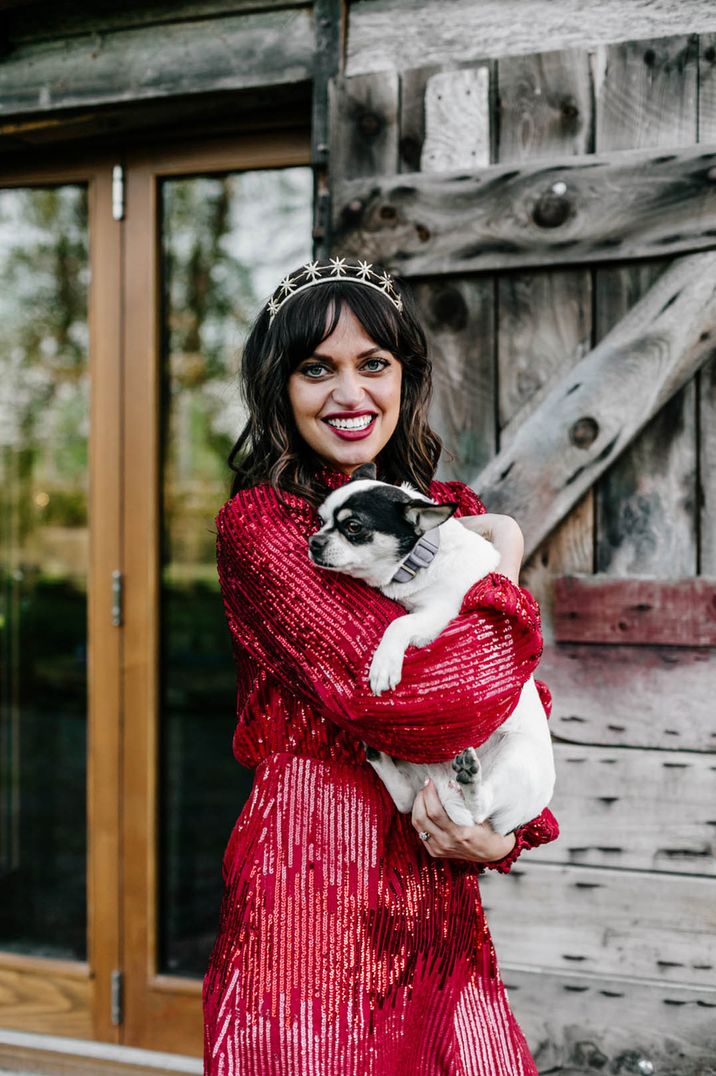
(317, 542)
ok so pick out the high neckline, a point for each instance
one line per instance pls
(331, 478)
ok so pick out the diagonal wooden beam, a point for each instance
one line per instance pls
(592, 413)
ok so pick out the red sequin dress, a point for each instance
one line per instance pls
(344, 948)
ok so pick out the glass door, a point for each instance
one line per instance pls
(208, 235)
(59, 650)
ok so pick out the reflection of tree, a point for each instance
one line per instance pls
(227, 241)
(43, 353)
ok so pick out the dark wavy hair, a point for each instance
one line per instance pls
(270, 448)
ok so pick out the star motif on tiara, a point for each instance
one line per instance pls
(312, 271)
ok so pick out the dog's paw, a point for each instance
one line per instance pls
(467, 767)
(386, 670)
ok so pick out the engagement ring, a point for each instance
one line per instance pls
(424, 836)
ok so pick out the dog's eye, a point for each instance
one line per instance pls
(353, 526)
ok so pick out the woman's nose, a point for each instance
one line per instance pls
(349, 391)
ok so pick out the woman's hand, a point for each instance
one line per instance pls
(478, 843)
(505, 534)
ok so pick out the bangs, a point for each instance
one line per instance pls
(309, 318)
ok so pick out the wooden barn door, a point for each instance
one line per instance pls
(549, 211)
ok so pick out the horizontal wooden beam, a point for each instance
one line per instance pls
(593, 208)
(596, 409)
(576, 1023)
(603, 921)
(645, 696)
(233, 52)
(607, 609)
(384, 35)
(639, 810)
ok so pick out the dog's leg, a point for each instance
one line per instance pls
(396, 777)
(413, 629)
(477, 796)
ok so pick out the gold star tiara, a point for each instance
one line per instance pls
(325, 273)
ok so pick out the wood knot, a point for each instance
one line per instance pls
(584, 432)
(352, 212)
(553, 207)
(370, 124)
(449, 309)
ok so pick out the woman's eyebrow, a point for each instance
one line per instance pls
(362, 355)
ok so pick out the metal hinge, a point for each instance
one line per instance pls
(117, 1014)
(117, 597)
(118, 192)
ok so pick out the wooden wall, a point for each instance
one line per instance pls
(605, 938)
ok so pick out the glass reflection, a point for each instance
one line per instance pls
(44, 429)
(226, 242)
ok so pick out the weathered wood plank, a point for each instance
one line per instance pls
(364, 126)
(457, 120)
(707, 465)
(706, 383)
(646, 93)
(545, 317)
(41, 22)
(593, 208)
(641, 810)
(591, 415)
(200, 56)
(607, 922)
(382, 38)
(459, 315)
(544, 105)
(601, 609)
(659, 697)
(646, 502)
(577, 1023)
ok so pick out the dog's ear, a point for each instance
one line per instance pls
(424, 516)
(366, 470)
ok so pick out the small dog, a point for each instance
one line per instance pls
(398, 540)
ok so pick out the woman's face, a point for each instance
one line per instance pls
(346, 396)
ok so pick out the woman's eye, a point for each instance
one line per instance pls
(315, 366)
(382, 363)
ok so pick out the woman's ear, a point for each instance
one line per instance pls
(365, 470)
(424, 517)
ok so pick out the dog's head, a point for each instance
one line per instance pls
(369, 527)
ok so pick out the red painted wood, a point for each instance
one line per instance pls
(606, 609)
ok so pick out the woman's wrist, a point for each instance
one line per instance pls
(501, 847)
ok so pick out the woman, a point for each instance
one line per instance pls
(352, 939)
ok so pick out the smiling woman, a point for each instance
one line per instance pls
(336, 375)
(346, 398)
(319, 361)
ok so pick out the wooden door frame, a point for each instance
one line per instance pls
(161, 1012)
(64, 996)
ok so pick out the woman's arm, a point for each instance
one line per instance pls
(316, 631)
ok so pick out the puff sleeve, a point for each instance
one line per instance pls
(316, 632)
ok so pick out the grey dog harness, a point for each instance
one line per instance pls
(419, 556)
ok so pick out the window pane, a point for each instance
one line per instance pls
(44, 427)
(226, 243)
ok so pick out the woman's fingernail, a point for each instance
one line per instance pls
(426, 782)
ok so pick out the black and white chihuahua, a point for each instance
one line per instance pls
(398, 540)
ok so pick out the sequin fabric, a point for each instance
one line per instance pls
(344, 948)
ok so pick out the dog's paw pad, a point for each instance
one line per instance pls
(467, 767)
